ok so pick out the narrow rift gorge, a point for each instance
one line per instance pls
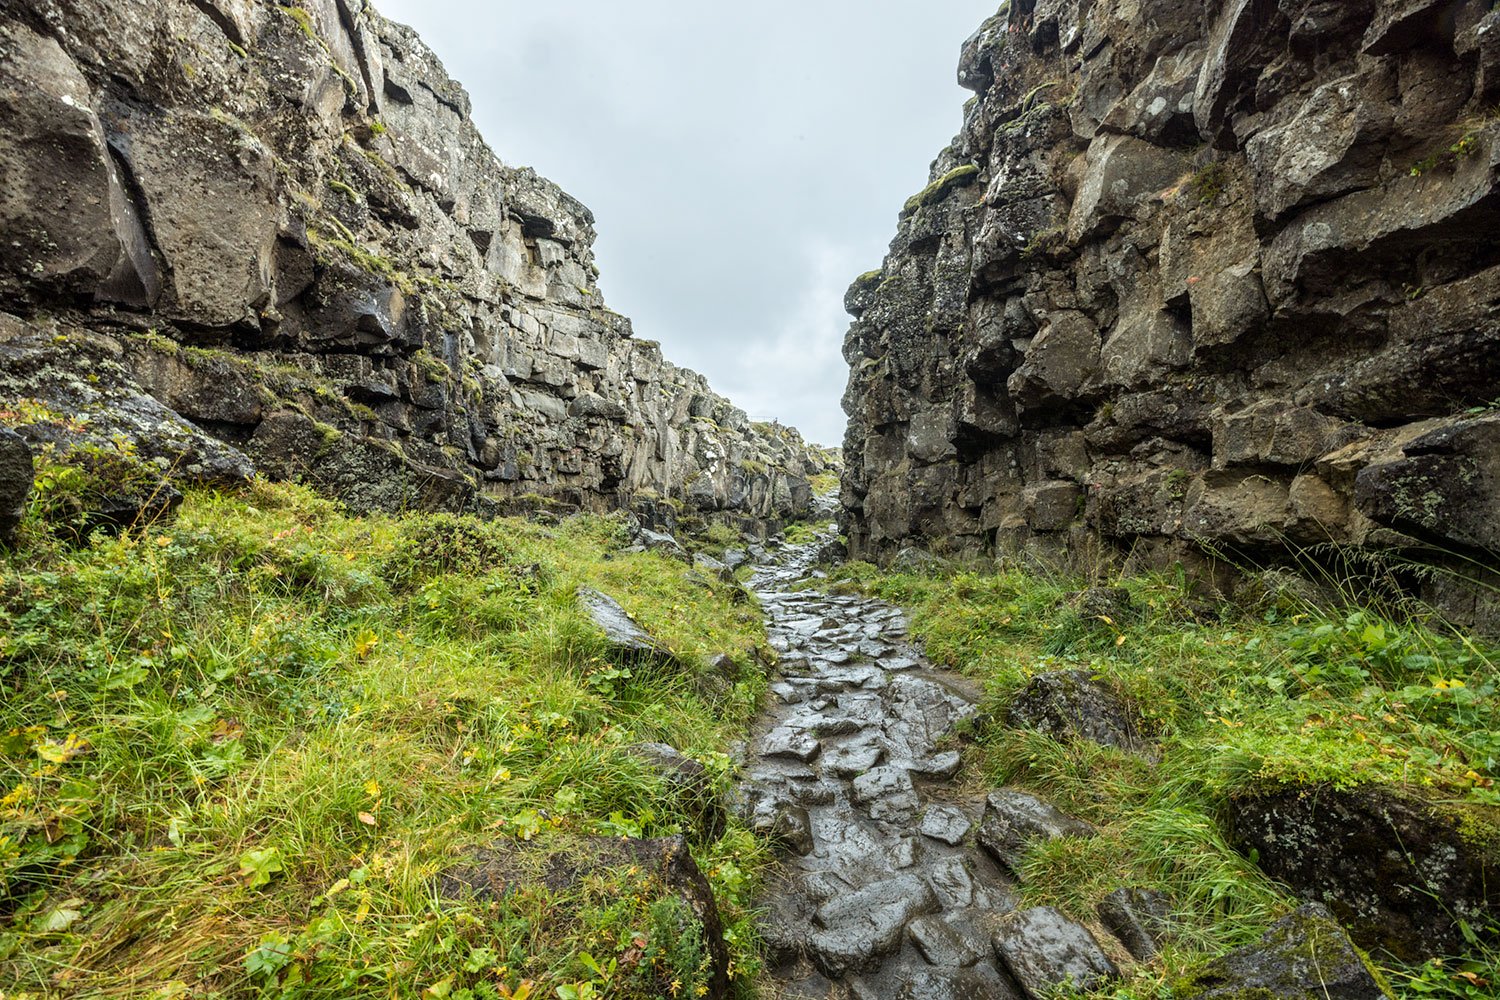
(382, 617)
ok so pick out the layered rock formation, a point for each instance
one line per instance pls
(1197, 277)
(244, 233)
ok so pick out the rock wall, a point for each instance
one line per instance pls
(244, 234)
(1197, 276)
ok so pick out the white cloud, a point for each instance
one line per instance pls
(744, 162)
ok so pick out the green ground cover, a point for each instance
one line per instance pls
(1237, 698)
(238, 746)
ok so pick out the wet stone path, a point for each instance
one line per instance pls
(883, 891)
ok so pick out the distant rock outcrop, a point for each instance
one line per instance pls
(252, 234)
(1197, 276)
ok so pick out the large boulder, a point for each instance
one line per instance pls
(1403, 874)
(1304, 956)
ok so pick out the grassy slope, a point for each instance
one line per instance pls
(1238, 699)
(236, 748)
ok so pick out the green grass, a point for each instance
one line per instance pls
(237, 748)
(1237, 699)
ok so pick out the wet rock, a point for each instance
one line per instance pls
(957, 939)
(1395, 869)
(665, 864)
(942, 765)
(978, 982)
(621, 632)
(791, 743)
(1042, 949)
(16, 473)
(1140, 918)
(851, 759)
(1014, 820)
(952, 881)
(887, 794)
(1304, 956)
(1072, 704)
(772, 812)
(946, 824)
(792, 827)
(859, 928)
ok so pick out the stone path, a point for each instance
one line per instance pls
(890, 888)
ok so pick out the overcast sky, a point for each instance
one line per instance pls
(745, 161)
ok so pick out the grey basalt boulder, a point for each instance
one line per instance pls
(1398, 870)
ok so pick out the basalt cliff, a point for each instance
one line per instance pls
(245, 235)
(1196, 280)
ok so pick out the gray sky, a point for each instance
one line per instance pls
(745, 161)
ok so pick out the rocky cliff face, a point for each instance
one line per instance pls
(1197, 276)
(244, 234)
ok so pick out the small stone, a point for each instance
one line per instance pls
(1140, 918)
(951, 881)
(943, 765)
(793, 828)
(953, 939)
(1013, 820)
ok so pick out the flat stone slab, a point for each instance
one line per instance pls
(942, 765)
(958, 940)
(794, 744)
(946, 824)
(1042, 949)
(851, 759)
